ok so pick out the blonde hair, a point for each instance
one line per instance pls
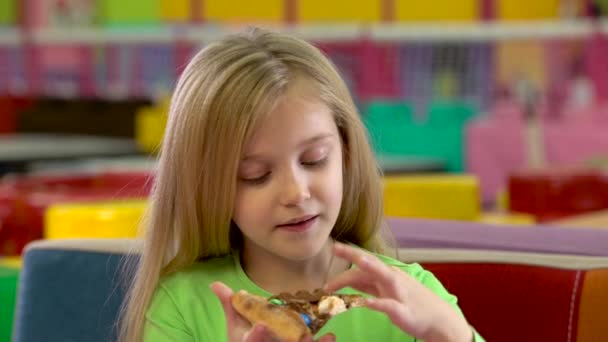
(223, 93)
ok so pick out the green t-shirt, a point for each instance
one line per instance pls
(185, 309)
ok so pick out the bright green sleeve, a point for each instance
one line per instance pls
(164, 322)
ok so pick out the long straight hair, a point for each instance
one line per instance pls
(226, 90)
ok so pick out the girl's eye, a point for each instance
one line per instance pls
(315, 157)
(257, 180)
(315, 163)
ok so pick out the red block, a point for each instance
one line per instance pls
(8, 116)
(10, 107)
(8, 214)
(24, 200)
(369, 68)
(552, 194)
(507, 302)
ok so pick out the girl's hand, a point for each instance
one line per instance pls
(240, 330)
(410, 305)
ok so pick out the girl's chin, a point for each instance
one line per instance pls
(301, 250)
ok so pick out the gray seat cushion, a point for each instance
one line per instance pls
(69, 295)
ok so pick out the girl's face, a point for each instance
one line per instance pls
(289, 190)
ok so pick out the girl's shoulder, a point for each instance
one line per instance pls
(201, 272)
(184, 303)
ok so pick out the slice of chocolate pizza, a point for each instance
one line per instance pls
(292, 316)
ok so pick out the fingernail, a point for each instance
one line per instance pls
(364, 260)
(260, 329)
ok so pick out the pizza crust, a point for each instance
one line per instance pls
(284, 323)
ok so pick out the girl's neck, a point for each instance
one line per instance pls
(276, 275)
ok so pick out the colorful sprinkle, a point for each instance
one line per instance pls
(276, 301)
(306, 319)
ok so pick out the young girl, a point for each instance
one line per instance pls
(265, 168)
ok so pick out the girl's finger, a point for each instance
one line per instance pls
(327, 338)
(355, 278)
(307, 338)
(347, 252)
(224, 293)
(258, 333)
(396, 311)
(366, 262)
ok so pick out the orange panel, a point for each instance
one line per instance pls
(592, 319)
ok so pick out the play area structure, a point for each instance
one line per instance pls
(489, 120)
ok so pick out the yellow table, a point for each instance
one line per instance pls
(119, 219)
(441, 196)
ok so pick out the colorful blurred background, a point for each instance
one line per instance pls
(488, 117)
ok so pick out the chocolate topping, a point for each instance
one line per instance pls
(307, 302)
(302, 296)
